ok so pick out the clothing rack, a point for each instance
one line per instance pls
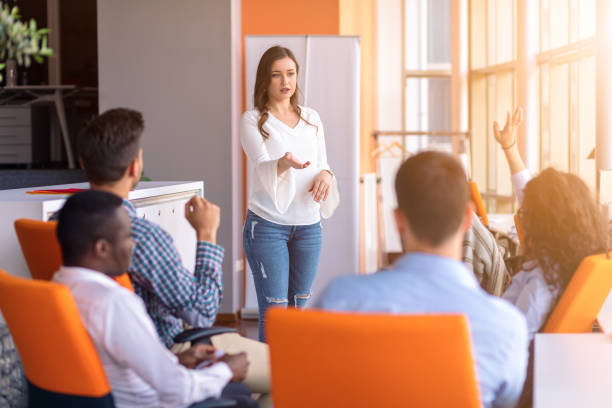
(460, 146)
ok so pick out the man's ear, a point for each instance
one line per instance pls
(135, 167)
(467, 218)
(102, 249)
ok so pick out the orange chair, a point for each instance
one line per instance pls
(583, 298)
(324, 360)
(481, 210)
(42, 252)
(60, 361)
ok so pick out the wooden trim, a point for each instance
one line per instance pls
(494, 69)
(429, 73)
(403, 62)
(421, 133)
(226, 318)
(578, 48)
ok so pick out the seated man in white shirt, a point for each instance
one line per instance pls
(94, 235)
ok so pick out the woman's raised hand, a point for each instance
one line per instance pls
(507, 140)
(288, 161)
(507, 136)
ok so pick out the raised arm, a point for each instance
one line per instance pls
(507, 139)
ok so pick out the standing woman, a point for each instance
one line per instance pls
(293, 186)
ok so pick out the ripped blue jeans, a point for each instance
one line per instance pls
(284, 260)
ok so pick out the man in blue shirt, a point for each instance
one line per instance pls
(434, 213)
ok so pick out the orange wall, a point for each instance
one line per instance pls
(290, 17)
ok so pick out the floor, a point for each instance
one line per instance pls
(247, 328)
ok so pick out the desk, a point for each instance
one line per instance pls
(44, 93)
(573, 370)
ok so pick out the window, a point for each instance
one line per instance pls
(565, 62)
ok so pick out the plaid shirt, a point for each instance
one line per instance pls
(171, 293)
(482, 254)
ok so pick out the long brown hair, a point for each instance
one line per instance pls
(262, 82)
(562, 224)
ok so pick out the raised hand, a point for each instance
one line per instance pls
(204, 217)
(507, 136)
(288, 161)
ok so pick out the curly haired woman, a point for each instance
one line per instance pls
(560, 224)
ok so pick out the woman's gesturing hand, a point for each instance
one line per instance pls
(288, 161)
(321, 185)
(507, 136)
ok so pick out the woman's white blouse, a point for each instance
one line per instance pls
(285, 199)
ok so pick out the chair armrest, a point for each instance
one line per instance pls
(198, 333)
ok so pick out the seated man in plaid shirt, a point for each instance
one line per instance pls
(110, 152)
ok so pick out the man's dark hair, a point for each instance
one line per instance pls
(432, 193)
(85, 218)
(108, 144)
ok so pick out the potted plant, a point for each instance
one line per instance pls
(19, 42)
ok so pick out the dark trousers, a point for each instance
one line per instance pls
(237, 392)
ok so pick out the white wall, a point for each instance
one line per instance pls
(174, 61)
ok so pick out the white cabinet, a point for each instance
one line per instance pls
(160, 202)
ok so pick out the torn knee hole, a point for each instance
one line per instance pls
(276, 300)
(307, 296)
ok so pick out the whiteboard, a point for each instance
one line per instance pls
(329, 81)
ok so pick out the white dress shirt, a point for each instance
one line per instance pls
(285, 199)
(141, 371)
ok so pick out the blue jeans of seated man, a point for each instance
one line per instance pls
(284, 261)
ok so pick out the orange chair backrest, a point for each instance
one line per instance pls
(481, 210)
(40, 247)
(325, 359)
(42, 251)
(55, 349)
(583, 298)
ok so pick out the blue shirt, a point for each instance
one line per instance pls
(530, 293)
(422, 283)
